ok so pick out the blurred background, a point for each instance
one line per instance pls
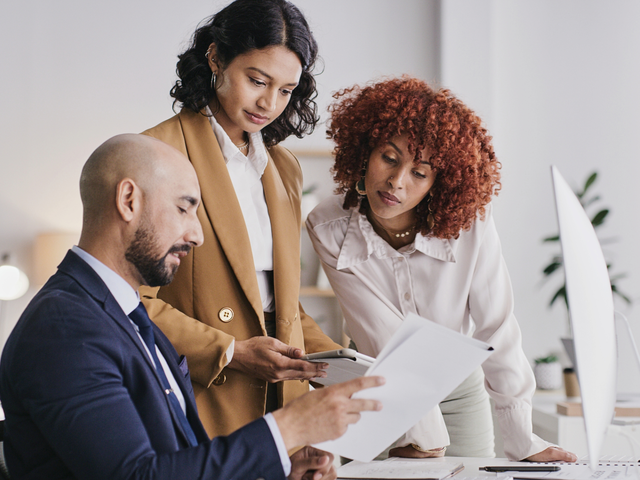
(554, 82)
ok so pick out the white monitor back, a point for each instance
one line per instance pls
(592, 315)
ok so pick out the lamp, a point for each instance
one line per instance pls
(13, 281)
(48, 251)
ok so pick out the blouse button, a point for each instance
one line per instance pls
(407, 296)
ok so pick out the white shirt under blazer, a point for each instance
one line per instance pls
(461, 283)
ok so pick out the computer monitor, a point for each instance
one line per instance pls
(592, 315)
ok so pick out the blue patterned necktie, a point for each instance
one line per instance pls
(141, 319)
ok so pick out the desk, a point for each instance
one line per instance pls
(605, 472)
(472, 467)
(569, 433)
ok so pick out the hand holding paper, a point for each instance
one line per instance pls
(326, 413)
(413, 388)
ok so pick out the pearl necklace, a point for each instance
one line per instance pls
(392, 235)
(404, 234)
(401, 234)
(242, 146)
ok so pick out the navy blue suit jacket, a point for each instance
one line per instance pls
(82, 399)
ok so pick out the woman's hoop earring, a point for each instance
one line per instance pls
(360, 187)
(214, 78)
(431, 221)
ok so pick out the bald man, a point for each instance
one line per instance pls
(91, 389)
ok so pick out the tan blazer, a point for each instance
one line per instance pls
(217, 280)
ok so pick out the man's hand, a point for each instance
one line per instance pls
(269, 359)
(553, 454)
(325, 414)
(312, 464)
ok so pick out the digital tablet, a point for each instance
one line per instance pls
(344, 364)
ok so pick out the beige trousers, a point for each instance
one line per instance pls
(467, 415)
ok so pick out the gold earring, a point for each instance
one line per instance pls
(360, 187)
(430, 218)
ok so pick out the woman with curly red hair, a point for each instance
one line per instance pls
(412, 231)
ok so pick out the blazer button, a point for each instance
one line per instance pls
(220, 379)
(225, 315)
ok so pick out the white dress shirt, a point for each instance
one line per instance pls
(246, 175)
(128, 299)
(460, 283)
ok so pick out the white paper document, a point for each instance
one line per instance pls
(423, 363)
(402, 468)
(582, 471)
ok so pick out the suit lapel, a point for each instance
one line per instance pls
(77, 268)
(87, 277)
(221, 204)
(286, 249)
(169, 353)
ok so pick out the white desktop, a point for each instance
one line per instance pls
(591, 314)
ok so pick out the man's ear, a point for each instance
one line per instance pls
(128, 199)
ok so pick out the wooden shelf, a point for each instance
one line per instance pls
(316, 292)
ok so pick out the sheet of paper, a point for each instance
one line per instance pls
(402, 468)
(422, 363)
(582, 471)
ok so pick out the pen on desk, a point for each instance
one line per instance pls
(522, 468)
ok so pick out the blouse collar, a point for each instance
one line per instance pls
(361, 241)
(256, 154)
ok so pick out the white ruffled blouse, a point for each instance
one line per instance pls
(460, 283)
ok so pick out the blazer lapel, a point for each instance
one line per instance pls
(286, 250)
(221, 204)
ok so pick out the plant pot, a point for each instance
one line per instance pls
(548, 375)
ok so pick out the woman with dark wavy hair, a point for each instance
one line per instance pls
(245, 84)
(412, 231)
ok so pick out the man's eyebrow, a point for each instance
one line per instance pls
(192, 200)
(262, 72)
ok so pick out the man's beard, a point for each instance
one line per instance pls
(152, 268)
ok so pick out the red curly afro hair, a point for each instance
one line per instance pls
(467, 171)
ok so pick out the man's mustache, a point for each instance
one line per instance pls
(180, 248)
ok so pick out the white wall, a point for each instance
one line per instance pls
(74, 73)
(556, 82)
(561, 79)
